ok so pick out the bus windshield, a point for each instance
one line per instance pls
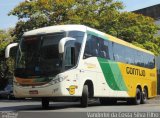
(39, 56)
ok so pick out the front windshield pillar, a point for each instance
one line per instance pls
(80, 58)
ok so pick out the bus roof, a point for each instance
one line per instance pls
(61, 28)
(57, 28)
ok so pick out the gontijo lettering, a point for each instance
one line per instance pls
(135, 71)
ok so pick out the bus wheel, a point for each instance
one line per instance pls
(84, 98)
(144, 96)
(45, 103)
(137, 99)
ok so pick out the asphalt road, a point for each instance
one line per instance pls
(94, 106)
(29, 108)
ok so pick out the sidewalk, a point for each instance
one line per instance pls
(155, 100)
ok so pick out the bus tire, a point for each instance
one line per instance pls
(144, 96)
(137, 100)
(84, 98)
(45, 103)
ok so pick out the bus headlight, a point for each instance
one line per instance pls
(16, 83)
(58, 79)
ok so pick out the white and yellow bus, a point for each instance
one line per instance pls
(75, 61)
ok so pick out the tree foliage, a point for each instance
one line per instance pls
(103, 15)
(40, 13)
(5, 39)
(136, 29)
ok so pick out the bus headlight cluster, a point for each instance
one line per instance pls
(58, 79)
(16, 83)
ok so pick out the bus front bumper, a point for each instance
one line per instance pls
(37, 91)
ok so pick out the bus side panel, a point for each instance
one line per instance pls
(89, 69)
(134, 76)
(113, 85)
(104, 75)
(109, 78)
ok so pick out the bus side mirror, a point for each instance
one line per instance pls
(8, 48)
(63, 42)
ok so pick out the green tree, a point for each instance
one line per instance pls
(5, 39)
(136, 29)
(40, 13)
(103, 15)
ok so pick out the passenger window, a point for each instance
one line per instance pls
(91, 48)
(119, 54)
(78, 35)
(87, 52)
(104, 50)
(69, 57)
(151, 61)
(128, 56)
(98, 47)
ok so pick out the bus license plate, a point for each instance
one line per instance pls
(33, 92)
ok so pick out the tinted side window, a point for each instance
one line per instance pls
(140, 59)
(132, 56)
(78, 35)
(149, 61)
(103, 49)
(68, 57)
(79, 38)
(110, 47)
(97, 47)
(92, 47)
(119, 52)
(129, 55)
